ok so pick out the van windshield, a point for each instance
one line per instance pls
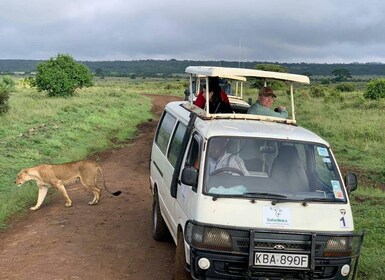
(271, 169)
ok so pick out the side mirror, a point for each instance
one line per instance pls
(190, 176)
(350, 181)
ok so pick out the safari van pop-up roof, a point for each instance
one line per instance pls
(240, 74)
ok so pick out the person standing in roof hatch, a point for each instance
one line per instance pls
(266, 98)
(218, 100)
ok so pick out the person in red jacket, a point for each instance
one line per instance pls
(218, 100)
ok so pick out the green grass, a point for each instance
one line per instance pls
(39, 129)
(369, 214)
(147, 85)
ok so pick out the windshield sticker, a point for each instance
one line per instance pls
(275, 216)
(337, 189)
(323, 152)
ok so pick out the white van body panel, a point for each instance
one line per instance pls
(162, 182)
(319, 217)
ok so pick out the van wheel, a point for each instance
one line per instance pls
(180, 260)
(159, 228)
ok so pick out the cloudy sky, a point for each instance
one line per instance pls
(321, 31)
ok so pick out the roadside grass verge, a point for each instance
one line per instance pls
(369, 214)
(39, 129)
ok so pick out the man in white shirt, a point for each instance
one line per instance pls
(220, 159)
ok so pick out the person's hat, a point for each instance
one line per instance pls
(267, 91)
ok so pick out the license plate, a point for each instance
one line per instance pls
(282, 260)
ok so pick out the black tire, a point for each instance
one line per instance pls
(160, 231)
(180, 260)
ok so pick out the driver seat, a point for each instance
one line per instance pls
(288, 170)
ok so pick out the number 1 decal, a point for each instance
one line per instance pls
(343, 223)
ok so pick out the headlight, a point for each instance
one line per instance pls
(208, 237)
(338, 247)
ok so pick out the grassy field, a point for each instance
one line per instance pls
(39, 129)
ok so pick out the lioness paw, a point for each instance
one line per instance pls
(33, 208)
(68, 204)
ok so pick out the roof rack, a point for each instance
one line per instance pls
(240, 74)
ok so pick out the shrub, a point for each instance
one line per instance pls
(333, 97)
(324, 81)
(345, 87)
(7, 85)
(317, 92)
(62, 75)
(375, 89)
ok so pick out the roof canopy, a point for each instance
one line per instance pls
(243, 72)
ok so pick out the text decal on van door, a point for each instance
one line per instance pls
(275, 216)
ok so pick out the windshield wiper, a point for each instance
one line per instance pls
(263, 195)
(251, 195)
(306, 200)
(322, 199)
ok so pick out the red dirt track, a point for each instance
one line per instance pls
(111, 240)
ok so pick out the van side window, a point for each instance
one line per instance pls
(176, 143)
(193, 157)
(164, 131)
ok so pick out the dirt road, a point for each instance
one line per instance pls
(111, 240)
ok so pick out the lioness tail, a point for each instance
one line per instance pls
(105, 185)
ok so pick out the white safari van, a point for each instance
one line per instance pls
(247, 196)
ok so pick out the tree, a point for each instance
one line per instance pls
(341, 74)
(99, 72)
(7, 85)
(259, 83)
(62, 75)
(272, 68)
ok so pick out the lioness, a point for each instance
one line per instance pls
(61, 175)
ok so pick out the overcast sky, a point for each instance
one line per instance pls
(321, 31)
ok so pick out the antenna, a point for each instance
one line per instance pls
(240, 53)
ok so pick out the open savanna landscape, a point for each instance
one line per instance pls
(113, 123)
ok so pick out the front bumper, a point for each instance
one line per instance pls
(231, 253)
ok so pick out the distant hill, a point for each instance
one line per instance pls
(152, 67)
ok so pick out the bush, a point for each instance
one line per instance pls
(61, 76)
(375, 89)
(324, 81)
(345, 87)
(7, 85)
(317, 92)
(333, 97)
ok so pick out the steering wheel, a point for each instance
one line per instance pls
(227, 170)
